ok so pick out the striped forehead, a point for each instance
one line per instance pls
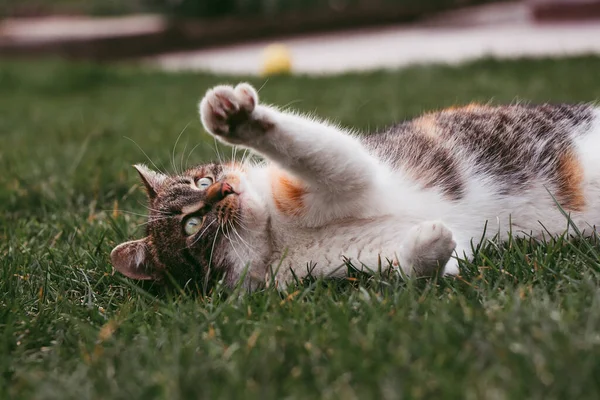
(203, 170)
(179, 195)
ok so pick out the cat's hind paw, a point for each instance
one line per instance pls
(451, 267)
(227, 112)
(429, 246)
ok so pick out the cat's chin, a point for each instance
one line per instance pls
(251, 208)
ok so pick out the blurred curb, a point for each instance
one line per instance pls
(563, 10)
(104, 39)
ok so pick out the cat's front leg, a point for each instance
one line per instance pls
(327, 159)
(427, 248)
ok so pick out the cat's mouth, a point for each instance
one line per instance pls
(228, 209)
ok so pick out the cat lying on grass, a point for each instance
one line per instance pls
(411, 198)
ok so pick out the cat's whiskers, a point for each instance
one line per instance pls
(234, 150)
(140, 215)
(181, 158)
(212, 251)
(187, 160)
(246, 158)
(126, 212)
(161, 212)
(241, 240)
(144, 153)
(238, 221)
(234, 218)
(263, 85)
(226, 228)
(229, 227)
(202, 233)
(175, 146)
(217, 151)
(287, 105)
(152, 220)
(163, 215)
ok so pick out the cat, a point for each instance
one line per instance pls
(413, 198)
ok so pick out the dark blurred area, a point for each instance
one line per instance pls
(80, 29)
(221, 8)
(104, 30)
(213, 8)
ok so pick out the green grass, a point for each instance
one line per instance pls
(69, 328)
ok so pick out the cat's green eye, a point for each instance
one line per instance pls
(192, 225)
(203, 183)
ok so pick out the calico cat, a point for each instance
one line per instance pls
(411, 198)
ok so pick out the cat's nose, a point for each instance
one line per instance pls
(226, 189)
(218, 192)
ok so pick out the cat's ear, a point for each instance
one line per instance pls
(133, 259)
(152, 180)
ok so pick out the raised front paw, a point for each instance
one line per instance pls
(429, 246)
(230, 114)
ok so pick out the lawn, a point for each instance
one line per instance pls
(523, 321)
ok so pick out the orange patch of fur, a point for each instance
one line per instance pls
(288, 193)
(469, 107)
(213, 193)
(570, 186)
(233, 179)
(427, 125)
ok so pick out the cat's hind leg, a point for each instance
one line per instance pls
(427, 248)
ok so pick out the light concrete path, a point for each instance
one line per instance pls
(57, 28)
(503, 32)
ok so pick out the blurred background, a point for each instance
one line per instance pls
(211, 8)
(70, 131)
(316, 36)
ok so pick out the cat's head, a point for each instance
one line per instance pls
(199, 224)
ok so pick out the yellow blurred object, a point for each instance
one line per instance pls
(276, 60)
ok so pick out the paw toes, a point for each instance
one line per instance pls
(430, 243)
(247, 96)
(218, 113)
(222, 98)
(440, 229)
(225, 104)
(222, 104)
(433, 232)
